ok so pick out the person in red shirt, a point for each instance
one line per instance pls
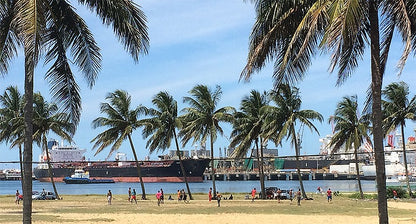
(253, 194)
(210, 194)
(158, 197)
(329, 194)
(395, 195)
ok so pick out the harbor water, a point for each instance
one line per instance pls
(10, 187)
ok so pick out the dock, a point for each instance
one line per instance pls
(283, 176)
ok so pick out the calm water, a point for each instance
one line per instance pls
(10, 187)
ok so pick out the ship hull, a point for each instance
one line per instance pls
(151, 171)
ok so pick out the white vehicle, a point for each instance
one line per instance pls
(47, 195)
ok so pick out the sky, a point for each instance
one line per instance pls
(198, 42)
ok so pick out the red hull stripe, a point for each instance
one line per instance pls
(134, 179)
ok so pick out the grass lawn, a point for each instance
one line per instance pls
(94, 209)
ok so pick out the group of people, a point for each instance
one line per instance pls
(182, 196)
(328, 193)
(291, 195)
(132, 195)
(218, 197)
(160, 197)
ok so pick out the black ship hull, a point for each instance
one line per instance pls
(151, 171)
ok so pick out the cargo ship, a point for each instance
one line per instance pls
(67, 159)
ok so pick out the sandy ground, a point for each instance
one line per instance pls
(225, 218)
(219, 217)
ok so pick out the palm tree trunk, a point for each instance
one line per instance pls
(21, 166)
(212, 166)
(182, 167)
(261, 173)
(263, 188)
(27, 151)
(405, 163)
(139, 171)
(357, 168)
(376, 80)
(258, 164)
(295, 140)
(48, 160)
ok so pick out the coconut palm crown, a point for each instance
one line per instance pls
(120, 122)
(162, 127)
(48, 119)
(351, 130)
(202, 119)
(288, 102)
(12, 122)
(248, 129)
(398, 108)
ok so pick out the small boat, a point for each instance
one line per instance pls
(82, 177)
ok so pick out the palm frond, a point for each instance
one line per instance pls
(8, 38)
(128, 22)
(402, 19)
(347, 35)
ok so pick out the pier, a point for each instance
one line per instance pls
(10, 174)
(291, 175)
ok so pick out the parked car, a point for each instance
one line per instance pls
(271, 193)
(47, 195)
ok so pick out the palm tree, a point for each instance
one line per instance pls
(46, 119)
(121, 122)
(291, 33)
(288, 103)
(398, 109)
(11, 121)
(202, 118)
(50, 28)
(248, 129)
(351, 130)
(162, 128)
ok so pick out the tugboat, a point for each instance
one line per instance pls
(82, 177)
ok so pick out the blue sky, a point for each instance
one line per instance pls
(198, 42)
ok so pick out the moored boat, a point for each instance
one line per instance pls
(82, 177)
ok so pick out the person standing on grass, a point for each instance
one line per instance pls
(210, 194)
(179, 195)
(279, 192)
(219, 199)
(133, 196)
(395, 195)
(299, 196)
(253, 194)
(43, 194)
(162, 196)
(17, 197)
(290, 196)
(184, 196)
(129, 194)
(329, 194)
(109, 197)
(158, 197)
